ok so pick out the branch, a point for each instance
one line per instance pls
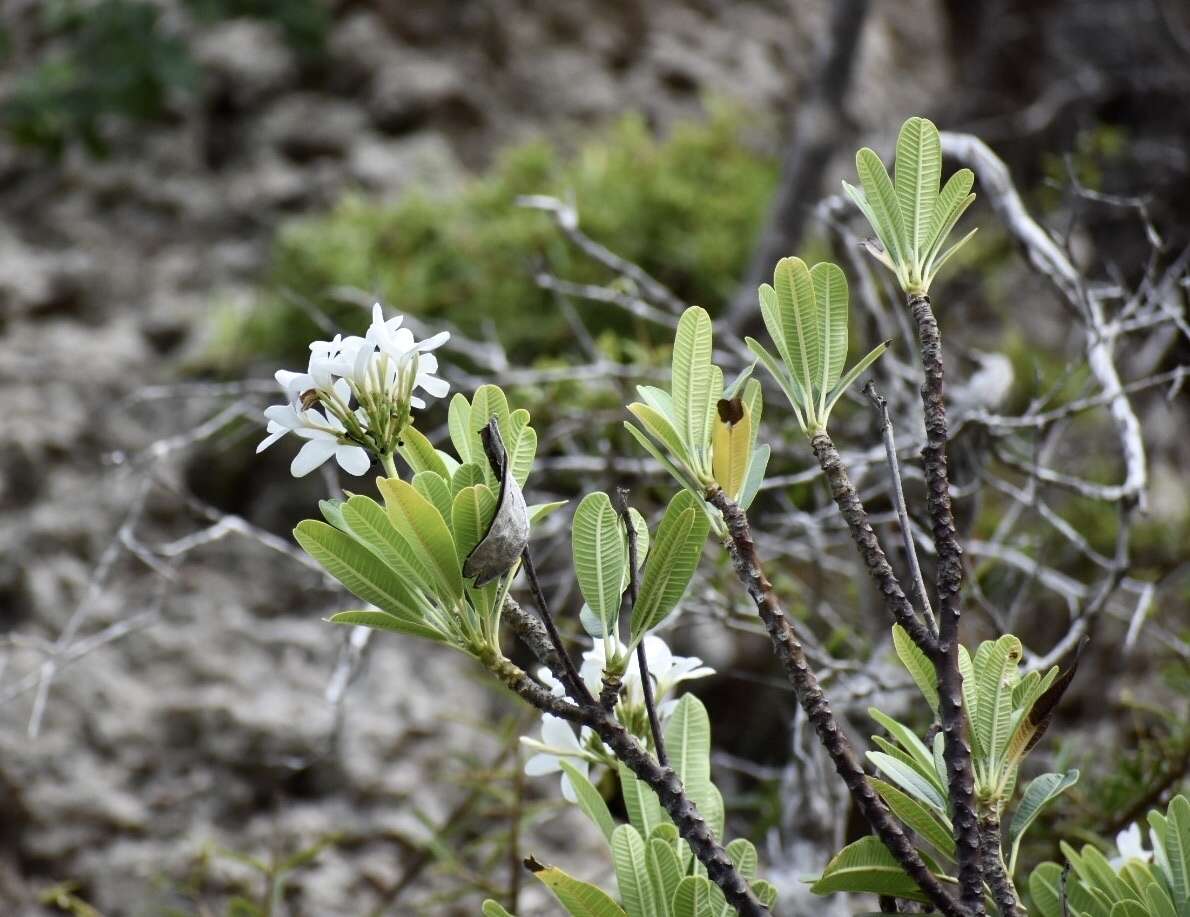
(949, 583)
(660, 778)
(853, 512)
(994, 870)
(793, 659)
(641, 658)
(898, 498)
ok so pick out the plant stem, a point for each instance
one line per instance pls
(642, 661)
(949, 582)
(660, 778)
(793, 659)
(570, 676)
(898, 494)
(390, 466)
(994, 870)
(853, 512)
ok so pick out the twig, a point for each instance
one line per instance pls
(994, 870)
(853, 512)
(898, 497)
(789, 651)
(949, 583)
(642, 662)
(660, 778)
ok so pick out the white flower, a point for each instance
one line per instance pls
(666, 670)
(558, 741)
(1128, 843)
(355, 396)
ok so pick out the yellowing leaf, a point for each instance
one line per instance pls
(731, 446)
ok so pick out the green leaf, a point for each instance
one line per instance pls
(581, 899)
(910, 742)
(766, 892)
(1045, 888)
(662, 429)
(672, 560)
(781, 375)
(590, 800)
(830, 296)
(909, 780)
(382, 620)
(332, 512)
(936, 266)
(598, 549)
(539, 511)
(1129, 908)
(1039, 793)
(882, 200)
(632, 874)
(467, 475)
(357, 568)
(1177, 849)
(459, 425)
(678, 475)
(996, 664)
(471, 514)
(420, 454)
(755, 476)
(692, 377)
(971, 704)
(743, 854)
(956, 197)
(495, 909)
(798, 313)
(918, 173)
(697, 896)
(1159, 901)
(423, 527)
(867, 866)
(370, 524)
(852, 374)
(688, 744)
(644, 808)
(918, 665)
(435, 488)
(925, 821)
(665, 872)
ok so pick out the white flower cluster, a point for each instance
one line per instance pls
(558, 740)
(356, 395)
(1130, 846)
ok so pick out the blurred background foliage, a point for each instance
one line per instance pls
(470, 255)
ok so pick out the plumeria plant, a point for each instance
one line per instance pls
(439, 555)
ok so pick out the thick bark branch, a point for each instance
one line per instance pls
(793, 659)
(864, 536)
(949, 583)
(661, 779)
(994, 870)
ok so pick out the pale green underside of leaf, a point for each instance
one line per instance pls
(598, 549)
(867, 866)
(692, 378)
(581, 899)
(673, 558)
(918, 174)
(918, 665)
(1039, 793)
(590, 800)
(632, 874)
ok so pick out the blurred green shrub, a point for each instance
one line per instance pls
(114, 61)
(686, 208)
(109, 59)
(304, 23)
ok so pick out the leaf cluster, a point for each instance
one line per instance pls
(657, 874)
(701, 432)
(910, 216)
(1097, 887)
(805, 312)
(406, 557)
(1007, 712)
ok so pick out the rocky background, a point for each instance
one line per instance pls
(169, 700)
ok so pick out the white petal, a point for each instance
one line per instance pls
(556, 731)
(310, 456)
(568, 792)
(353, 459)
(433, 343)
(434, 387)
(270, 439)
(658, 656)
(542, 764)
